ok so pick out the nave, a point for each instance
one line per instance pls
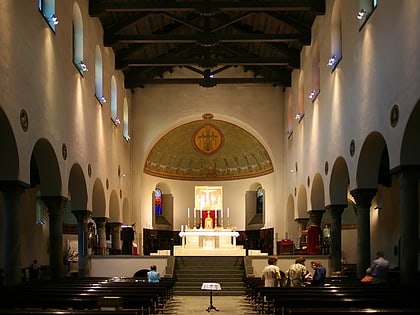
(194, 305)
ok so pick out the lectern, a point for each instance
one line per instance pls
(211, 287)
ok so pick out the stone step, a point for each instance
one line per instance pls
(192, 271)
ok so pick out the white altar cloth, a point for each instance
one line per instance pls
(208, 239)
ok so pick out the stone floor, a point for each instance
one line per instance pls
(192, 305)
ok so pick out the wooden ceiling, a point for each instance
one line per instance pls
(151, 38)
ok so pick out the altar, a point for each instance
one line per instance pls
(206, 242)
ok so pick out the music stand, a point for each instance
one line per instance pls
(211, 287)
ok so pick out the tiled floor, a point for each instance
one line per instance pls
(192, 305)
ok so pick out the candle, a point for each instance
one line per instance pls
(215, 213)
(195, 213)
(182, 228)
(201, 213)
(221, 213)
(188, 213)
(228, 212)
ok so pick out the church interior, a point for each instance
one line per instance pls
(136, 132)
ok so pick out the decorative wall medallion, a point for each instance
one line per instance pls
(64, 151)
(89, 170)
(352, 147)
(208, 139)
(394, 116)
(24, 120)
(326, 167)
(107, 183)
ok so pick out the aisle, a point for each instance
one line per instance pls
(194, 305)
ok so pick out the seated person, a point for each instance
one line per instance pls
(153, 276)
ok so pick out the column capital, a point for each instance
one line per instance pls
(81, 215)
(99, 220)
(363, 196)
(54, 202)
(12, 185)
(302, 220)
(414, 170)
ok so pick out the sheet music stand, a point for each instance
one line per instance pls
(211, 287)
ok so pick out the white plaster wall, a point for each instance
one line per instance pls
(37, 74)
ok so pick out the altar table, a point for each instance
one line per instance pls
(209, 238)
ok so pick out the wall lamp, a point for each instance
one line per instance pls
(53, 19)
(115, 120)
(83, 66)
(361, 14)
(332, 62)
(103, 99)
(299, 116)
(313, 94)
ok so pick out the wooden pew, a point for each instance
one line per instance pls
(280, 300)
(84, 294)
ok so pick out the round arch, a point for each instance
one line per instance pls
(302, 203)
(98, 200)
(339, 182)
(45, 169)
(114, 208)
(317, 193)
(77, 188)
(369, 162)
(9, 166)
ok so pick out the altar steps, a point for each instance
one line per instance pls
(192, 271)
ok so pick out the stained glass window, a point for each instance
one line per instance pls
(158, 201)
(260, 200)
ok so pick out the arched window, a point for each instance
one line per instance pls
(260, 200)
(365, 11)
(125, 120)
(39, 209)
(315, 72)
(47, 9)
(300, 99)
(158, 201)
(336, 37)
(114, 102)
(78, 40)
(99, 76)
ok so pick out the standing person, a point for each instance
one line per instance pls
(271, 273)
(318, 279)
(379, 268)
(34, 270)
(153, 276)
(297, 274)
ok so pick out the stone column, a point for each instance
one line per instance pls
(409, 220)
(115, 228)
(363, 198)
(101, 230)
(55, 205)
(82, 235)
(12, 264)
(336, 212)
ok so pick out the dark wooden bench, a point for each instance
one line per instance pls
(84, 294)
(281, 300)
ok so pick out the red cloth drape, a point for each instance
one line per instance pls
(313, 239)
(212, 215)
